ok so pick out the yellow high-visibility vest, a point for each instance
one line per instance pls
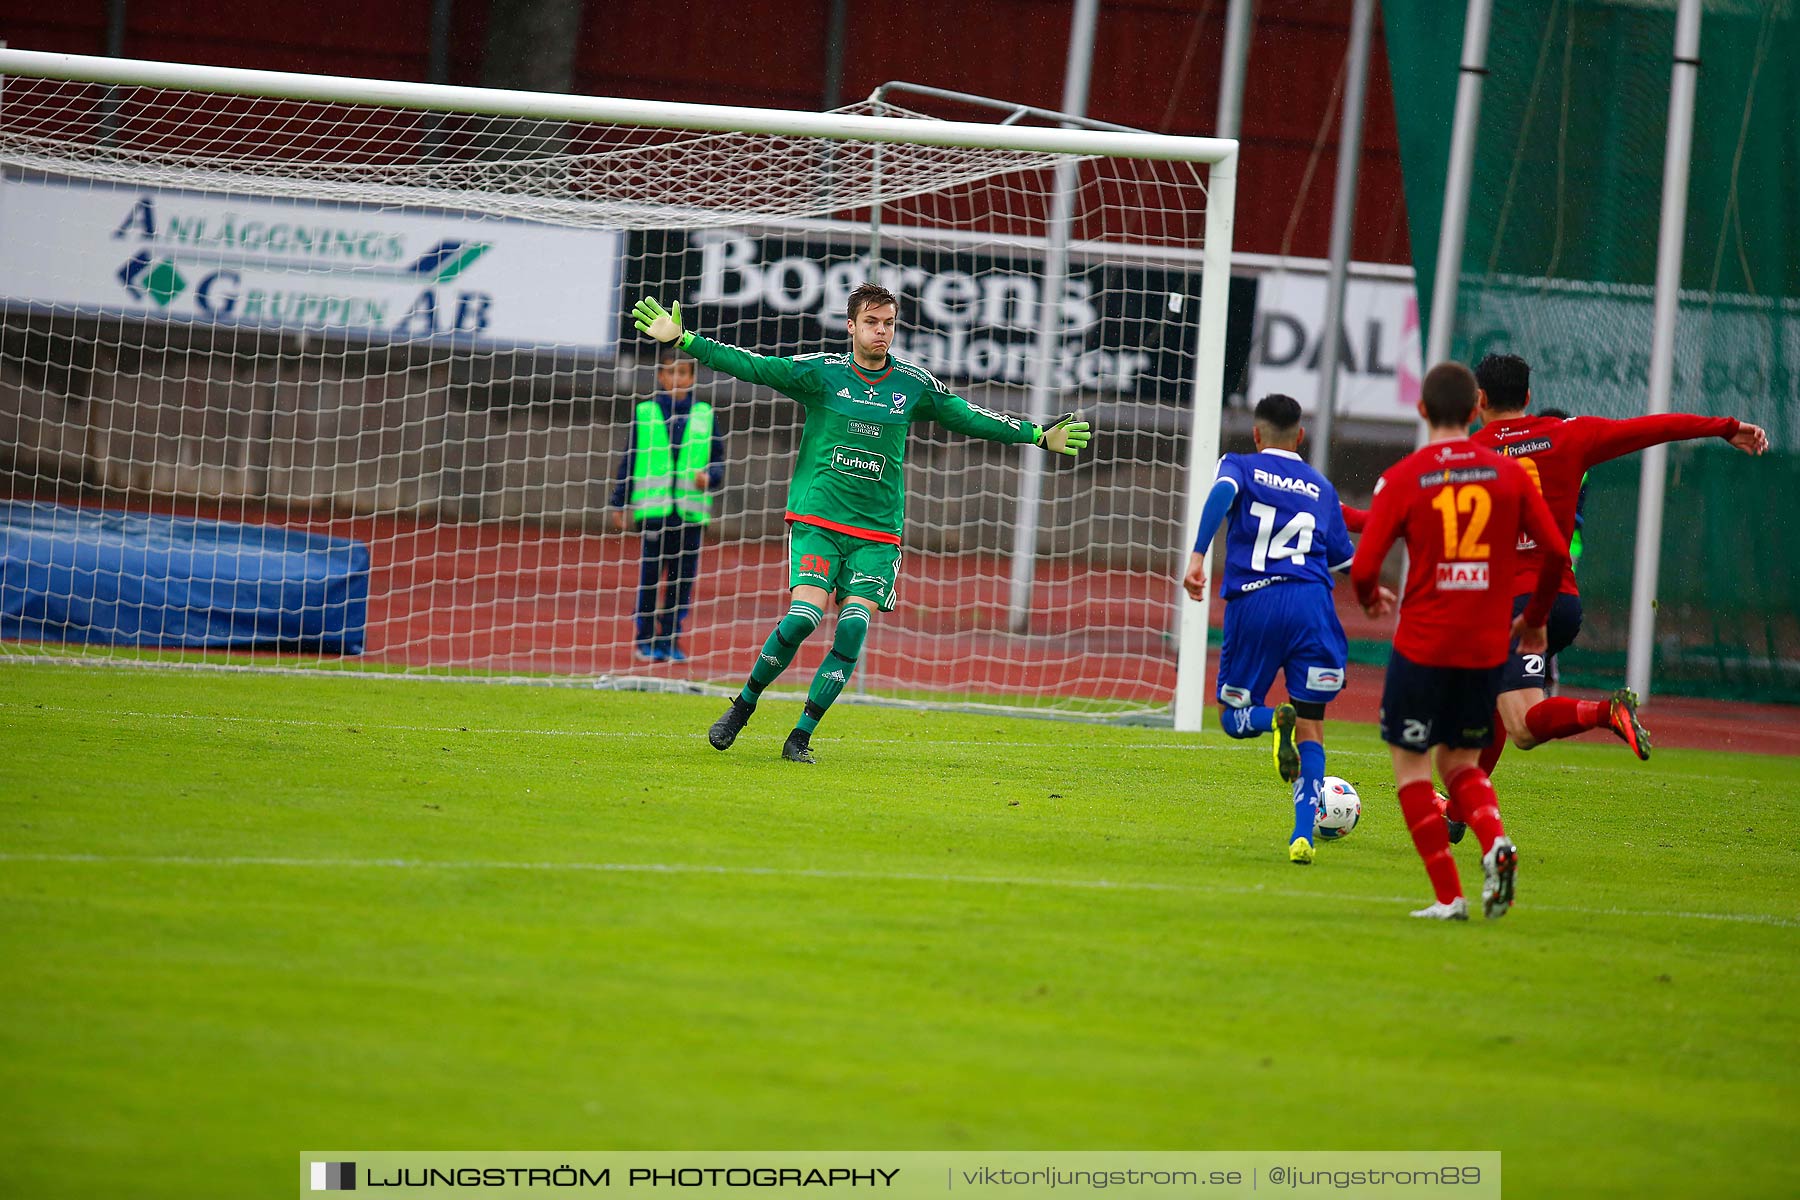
(662, 481)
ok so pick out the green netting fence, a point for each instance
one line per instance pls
(1558, 266)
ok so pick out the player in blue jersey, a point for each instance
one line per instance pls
(1284, 538)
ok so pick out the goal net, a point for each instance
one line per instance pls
(307, 372)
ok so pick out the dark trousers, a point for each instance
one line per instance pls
(671, 563)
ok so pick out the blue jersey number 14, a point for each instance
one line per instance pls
(1291, 543)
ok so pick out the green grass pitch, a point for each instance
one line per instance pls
(247, 915)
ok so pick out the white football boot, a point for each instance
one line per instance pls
(1456, 910)
(1499, 864)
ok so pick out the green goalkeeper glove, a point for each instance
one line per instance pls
(664, 325)
(1065, 435)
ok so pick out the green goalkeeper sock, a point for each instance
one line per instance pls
(840, 661)
(779, 650)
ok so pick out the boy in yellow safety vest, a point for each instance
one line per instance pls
(672, 465)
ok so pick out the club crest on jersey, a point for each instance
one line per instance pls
(1462, 577)
(899, 403)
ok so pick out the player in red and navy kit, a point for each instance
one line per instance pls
(1558, 454)
(1284, 538)
(1462, 510)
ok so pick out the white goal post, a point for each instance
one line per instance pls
(390, 318)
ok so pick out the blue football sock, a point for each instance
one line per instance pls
(1250, 722)
(1308, 788)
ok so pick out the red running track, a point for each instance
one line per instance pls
(514, 599)
(520, 599)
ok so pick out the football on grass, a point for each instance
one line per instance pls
(1340, 808)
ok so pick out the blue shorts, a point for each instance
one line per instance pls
(1285, 626)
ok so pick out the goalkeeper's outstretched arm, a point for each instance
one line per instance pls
(795, 379)
(663, 324)
(1066, 435)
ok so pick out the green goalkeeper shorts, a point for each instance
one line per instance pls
(843, 565)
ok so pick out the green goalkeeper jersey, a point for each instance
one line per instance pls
(850, 472)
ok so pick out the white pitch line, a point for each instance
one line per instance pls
(409, 864)
(684, 735)
(1232, 746)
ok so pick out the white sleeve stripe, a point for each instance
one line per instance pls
(919, 373)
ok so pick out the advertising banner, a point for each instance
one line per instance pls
(1589, 348)
(1378, 354)
(970, 315)
(340, 269)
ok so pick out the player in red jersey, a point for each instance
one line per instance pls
(1462, 510)
(1557, 454)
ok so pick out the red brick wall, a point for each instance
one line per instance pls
(1156, 66)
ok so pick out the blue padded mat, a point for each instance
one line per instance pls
(117, 578)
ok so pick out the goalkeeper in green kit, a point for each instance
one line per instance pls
(847, 501)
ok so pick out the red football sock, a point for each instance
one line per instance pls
(1490, 754)
(1471, 791)
(1419, 808)
(1563, 716)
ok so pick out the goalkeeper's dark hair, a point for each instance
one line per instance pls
(1506, 378)
(1278, 414)
(869, 295)
(1448, 394)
